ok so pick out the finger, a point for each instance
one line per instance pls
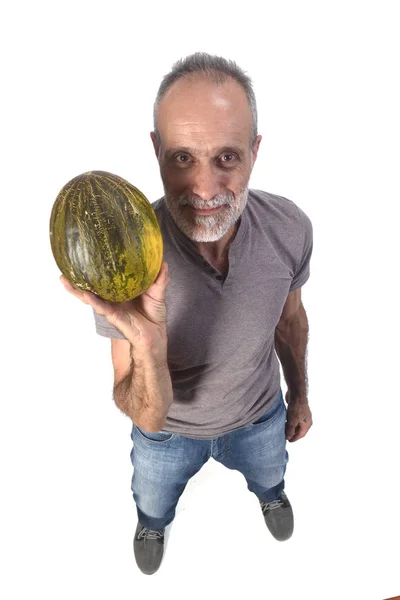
(104, 308)
(158, 287)
(290, 431)
(163, 275)
(71, 289)
(290, 435)
(301, 432)
(100, 306)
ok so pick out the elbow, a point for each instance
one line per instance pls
(297, 319)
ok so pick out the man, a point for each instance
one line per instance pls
(195, 357)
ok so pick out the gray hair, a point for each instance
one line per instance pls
(217, 69)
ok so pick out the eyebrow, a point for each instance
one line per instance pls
(216, 151)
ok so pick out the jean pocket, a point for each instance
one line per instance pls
(155, 436)
(272, 413)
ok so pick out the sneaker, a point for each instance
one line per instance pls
(148, 547)
(278, 516)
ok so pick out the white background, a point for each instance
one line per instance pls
(78, 84)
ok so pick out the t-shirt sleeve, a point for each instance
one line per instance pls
(303, 268)
(104, 327)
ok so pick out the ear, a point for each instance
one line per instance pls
(255, 147)
(155, 143)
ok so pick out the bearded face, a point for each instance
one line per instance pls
(206, 154)
(206, 227)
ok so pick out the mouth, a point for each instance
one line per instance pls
(206, 211)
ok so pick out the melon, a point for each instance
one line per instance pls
(105, 236)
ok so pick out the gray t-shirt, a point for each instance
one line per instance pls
(221, 353)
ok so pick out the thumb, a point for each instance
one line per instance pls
(159, 286)
(290, 431)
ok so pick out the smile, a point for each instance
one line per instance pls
(206, 211)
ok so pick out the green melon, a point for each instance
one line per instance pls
(105, 236)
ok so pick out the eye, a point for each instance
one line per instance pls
(179, 156)
(231, 158)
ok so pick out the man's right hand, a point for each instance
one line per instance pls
(141, 320)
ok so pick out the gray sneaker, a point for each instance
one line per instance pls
(278, 516)
(148, 547)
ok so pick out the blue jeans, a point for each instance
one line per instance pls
(164, 462)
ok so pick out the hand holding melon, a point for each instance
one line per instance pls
(107, 242)
(141, 320)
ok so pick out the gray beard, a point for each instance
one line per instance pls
(204, 228)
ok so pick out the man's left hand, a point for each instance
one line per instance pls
(298, 418)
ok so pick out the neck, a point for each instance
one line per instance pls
(219, 249)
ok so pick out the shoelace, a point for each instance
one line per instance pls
(152, 535)
(271, 505)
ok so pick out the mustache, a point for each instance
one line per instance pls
(197, 203)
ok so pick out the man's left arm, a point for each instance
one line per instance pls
(291, 336)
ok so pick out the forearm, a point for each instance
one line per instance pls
(291, 340)
(145, 393)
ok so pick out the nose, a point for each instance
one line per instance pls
(205, 182)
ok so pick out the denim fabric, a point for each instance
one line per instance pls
(164, 462)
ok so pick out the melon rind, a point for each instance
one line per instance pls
(105, 236)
